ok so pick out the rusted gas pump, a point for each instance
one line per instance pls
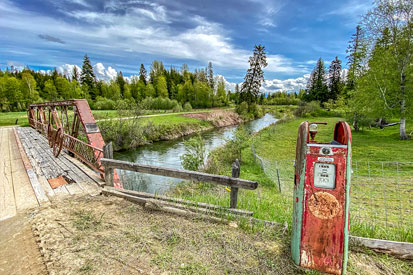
(322, 199)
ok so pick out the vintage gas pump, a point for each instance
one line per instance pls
(322, 199)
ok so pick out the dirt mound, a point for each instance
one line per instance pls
(219, 118)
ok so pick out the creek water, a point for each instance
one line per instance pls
(168, 154)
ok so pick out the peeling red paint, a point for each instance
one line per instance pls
(323, 217)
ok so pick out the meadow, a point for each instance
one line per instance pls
(380, 197)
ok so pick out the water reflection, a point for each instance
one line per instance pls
(167, 154)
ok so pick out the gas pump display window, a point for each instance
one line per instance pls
(325, 175)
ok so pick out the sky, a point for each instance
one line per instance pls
(119, 35)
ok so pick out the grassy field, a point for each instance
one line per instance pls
(9, 119)
(276, 145)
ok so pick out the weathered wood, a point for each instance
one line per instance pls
(181, 174)
(164, 206)
(401, 250)
(7, 202)
(108, 154)
(236, 172)
(216, 208)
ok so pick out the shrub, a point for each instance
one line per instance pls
(194, 156)
(103, 103)
(242, 109)
(307, 109)
(187, 107)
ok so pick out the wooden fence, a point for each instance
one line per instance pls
(233, 182)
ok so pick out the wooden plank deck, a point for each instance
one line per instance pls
(16, 192)
(26, 165)
(47, 166)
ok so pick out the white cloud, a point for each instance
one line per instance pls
(67, 70)
(102, 73)
(288, 85)
(275, 85)
(144, 30)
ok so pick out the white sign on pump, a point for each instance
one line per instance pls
(325, 175)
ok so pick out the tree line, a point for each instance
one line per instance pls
(200, 89)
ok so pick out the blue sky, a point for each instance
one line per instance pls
(121, 34)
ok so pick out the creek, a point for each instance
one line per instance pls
(168, 153)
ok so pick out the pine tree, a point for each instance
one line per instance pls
(334, 79)
(255, 75)
(210, 75)
(121, 82)
(75, 74)
(142, 74)
(317, 86)
(356, 51)
(87, 77)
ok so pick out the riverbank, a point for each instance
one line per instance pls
(126, 134)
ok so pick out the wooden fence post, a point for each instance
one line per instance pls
(108, 153)
(236, 171)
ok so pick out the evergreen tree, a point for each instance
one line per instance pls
(237, 94)
(317, 84)
(142, 74)
(356, 51)
(121, 82)
(210, 75)
(87, 76)
(75, 74)
(255, 75)
(334, 79)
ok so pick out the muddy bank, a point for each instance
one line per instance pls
(219, 118)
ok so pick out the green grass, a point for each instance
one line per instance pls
(276, 145)
(170, 119)
(9, 119)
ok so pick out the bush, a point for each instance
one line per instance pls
(187, 107)
(256, 110)
(103, 103)
(194, 156)
(160, 103)
(242, 109)
(307, 109)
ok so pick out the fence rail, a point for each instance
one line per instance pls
(234, 182)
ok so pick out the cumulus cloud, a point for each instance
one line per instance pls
(103, 73)
(288, 85)
(100, 71)
(275, 85)
(67, 70)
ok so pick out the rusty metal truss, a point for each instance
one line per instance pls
(70, 124)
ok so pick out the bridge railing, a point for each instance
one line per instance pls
(233, 182)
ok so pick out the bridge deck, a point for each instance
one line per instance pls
(16, 192)
(26, 166)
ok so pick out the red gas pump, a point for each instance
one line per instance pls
(321, 199)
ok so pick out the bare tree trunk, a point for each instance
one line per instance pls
(403, 135)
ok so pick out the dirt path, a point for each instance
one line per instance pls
(19, 252)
